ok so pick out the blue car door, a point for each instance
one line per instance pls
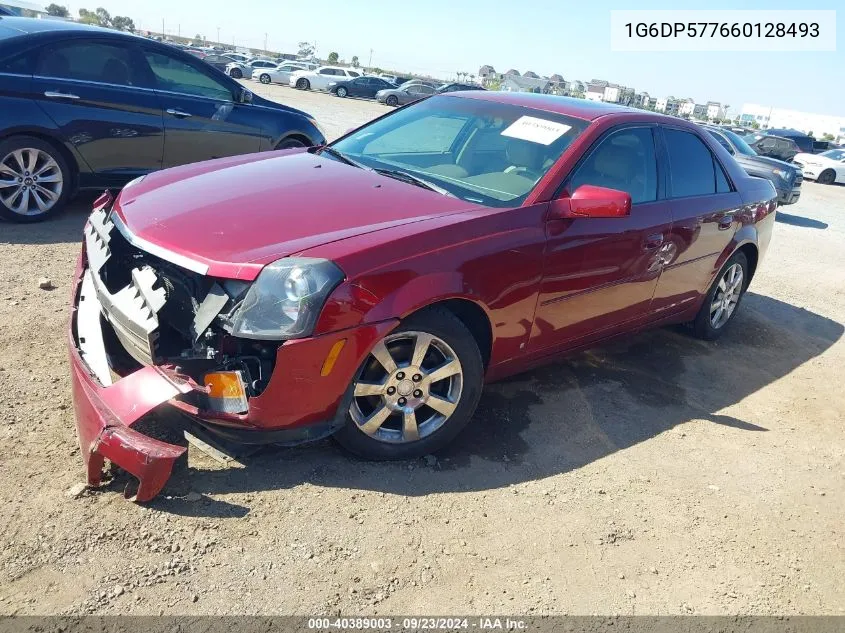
(202, 117)
(98, 94)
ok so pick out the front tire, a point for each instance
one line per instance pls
(236, 73)
(35, 179)
(265, 78)
(392, 100)
(290, 143)
(415, 391)
(723, 299)
(826, 177)
(341, 92)
(303, 84)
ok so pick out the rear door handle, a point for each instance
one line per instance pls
(60, 95)
(726, 221)
(178, 113)
(653, 241)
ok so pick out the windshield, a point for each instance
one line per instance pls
(834, 154)
(480, 151)
(739, 143)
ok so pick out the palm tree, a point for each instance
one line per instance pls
(472, 78)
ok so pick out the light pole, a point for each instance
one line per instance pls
(265, 42)
(370, 63)
(218, 34)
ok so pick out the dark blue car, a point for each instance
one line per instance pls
(86, 108)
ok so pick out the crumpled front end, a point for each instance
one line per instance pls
(105, 413)
(151, 328)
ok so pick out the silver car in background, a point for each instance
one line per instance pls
(406, 94)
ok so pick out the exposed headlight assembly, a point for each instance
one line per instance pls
(783, 173)
(286, 299)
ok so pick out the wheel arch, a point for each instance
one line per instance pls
(473, 316)
(68, 155)
(752, 256)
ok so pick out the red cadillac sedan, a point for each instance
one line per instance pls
(367, 289)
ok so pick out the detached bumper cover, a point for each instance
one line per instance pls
(104, 416)
(299, 403)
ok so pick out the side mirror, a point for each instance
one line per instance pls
(589, 201)
(245, 96)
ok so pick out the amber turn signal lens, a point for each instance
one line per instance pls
(226, 392)
(331, 358)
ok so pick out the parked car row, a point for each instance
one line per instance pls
(785, 177)
(89, 108)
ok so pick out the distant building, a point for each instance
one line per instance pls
(715, 110)
(595, 90)
(486, 72)
(513, 72)
(699, 111)
(578, 87)
(771, 117)
(686, 107)
(525, 84)
(531, 74)
(668, 105)
(611, 93)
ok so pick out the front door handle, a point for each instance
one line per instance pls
(178, 113)
(653, 241)
(60, 95)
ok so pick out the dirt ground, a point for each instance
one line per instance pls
(658, 475)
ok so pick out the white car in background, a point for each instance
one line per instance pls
(244, 70)
(237, 57)
(280, 74)
(320, 78)
(825, 168)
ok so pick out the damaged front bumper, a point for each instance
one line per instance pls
(105, 414)
(301, 401)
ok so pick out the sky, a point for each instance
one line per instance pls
(441, 37)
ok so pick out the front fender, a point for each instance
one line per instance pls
(394, 295)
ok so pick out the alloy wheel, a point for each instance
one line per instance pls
(407, 389)
(341, 92)
(265, 79)
(31, 181)
(727, 296)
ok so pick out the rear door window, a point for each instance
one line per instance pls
(692, 165)
(91, 61)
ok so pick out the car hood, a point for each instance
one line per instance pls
(812, 159)
(772, 163)
(235, 215)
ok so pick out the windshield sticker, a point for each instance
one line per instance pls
(529, 128)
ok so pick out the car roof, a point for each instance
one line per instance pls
(579, 108)
(13, 26)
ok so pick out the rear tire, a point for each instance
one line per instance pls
(41, 160)
(450, 344)
(341, 92)
(236, 73)
(826, 177)
(392, 100)
(265, 78)
(303, 84)
(723, 299)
